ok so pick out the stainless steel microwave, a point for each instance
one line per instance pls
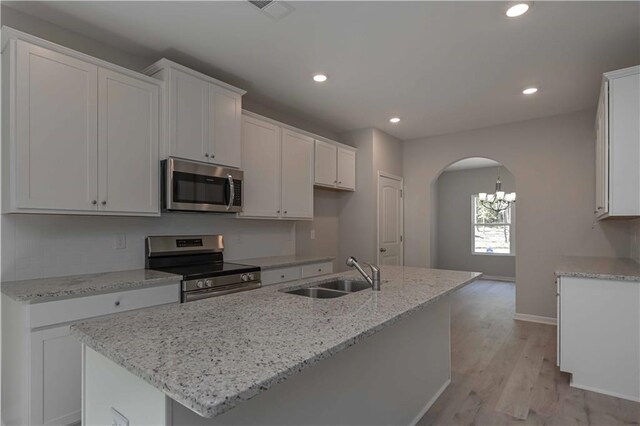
(200, 187)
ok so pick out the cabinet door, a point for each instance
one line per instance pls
(346, 169)
(297, 175)
(189, 116)
(624, 145)
(225, 127)
(128, 144)
(602, 154)
(326, 166)
(261, 165)
(56, 369)
(56, 130)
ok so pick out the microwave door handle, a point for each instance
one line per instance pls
(232, 191)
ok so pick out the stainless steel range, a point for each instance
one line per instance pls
(199, 259)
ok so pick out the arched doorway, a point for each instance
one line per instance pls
(469, 232)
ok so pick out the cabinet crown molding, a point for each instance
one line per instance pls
(165, 63)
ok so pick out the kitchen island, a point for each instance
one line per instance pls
(268, 357)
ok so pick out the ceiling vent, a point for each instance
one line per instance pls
(275, 9)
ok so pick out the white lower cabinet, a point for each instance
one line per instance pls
(280, 275)
(41, 361)
(599, 335)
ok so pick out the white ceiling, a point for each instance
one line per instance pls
(472, 163)
(441, 66)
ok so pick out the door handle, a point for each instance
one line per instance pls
(383, 250)
(232, 191)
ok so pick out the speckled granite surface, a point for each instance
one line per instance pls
(212, 354)
(599, 267)
(47, 289)
(274, 262)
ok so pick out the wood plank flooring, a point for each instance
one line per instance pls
(504, 371)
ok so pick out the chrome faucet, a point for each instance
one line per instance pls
(374, 279)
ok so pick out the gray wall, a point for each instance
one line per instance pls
(454, 229)
(552, 160)
(377, 151)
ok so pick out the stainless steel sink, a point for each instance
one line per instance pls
(346, 285)
(317, 293)
(331, 289)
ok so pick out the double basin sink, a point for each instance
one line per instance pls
(331, 289)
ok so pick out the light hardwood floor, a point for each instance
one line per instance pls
(504, 371)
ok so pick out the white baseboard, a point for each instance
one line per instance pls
(573, 384)
(430, 403)
(535, 318)
(497, 278)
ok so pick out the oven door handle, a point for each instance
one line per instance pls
(232, 191)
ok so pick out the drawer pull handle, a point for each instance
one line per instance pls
(117, 303)
(319, 269)
(281, 276)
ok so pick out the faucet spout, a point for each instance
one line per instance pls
(374, 279)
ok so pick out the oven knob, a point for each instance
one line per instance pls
(199, 284)
(251, 277)
(244, 277)
(208, 283)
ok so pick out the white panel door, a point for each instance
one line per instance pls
(261, 165)
(225, 109)
(346, 169)
(297, 175)
(189, 117)
(325, 164)
(56, 370)
(56, 130)
(390, 246)
(128, 144)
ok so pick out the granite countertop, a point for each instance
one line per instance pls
(274, 262)
(609, 268)
(212, 354)
(47, 289)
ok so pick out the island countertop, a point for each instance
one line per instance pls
(608, 268)
(212, 354)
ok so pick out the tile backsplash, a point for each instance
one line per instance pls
(37, 246)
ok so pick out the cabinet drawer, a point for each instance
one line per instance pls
(60, 311)
(317, 269)
(276, 276)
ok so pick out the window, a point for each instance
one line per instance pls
(492, 233)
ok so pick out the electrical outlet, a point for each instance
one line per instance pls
(313, 234)
(120, 241)
(117, 419)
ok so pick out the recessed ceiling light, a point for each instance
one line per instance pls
(518, 9)
(319, 78)
(530, 90)
(394, 120)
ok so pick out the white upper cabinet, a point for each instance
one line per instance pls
(56, 129)
(278, 170)
(202, 115)
(326, 165)
(618, 145)
(335, 166)
(127, 144)
(297, 175)
(346, 169)
(188, 118)
(225, 109)
(82, 134)
(261, 165)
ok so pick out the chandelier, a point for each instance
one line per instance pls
(499, 201)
